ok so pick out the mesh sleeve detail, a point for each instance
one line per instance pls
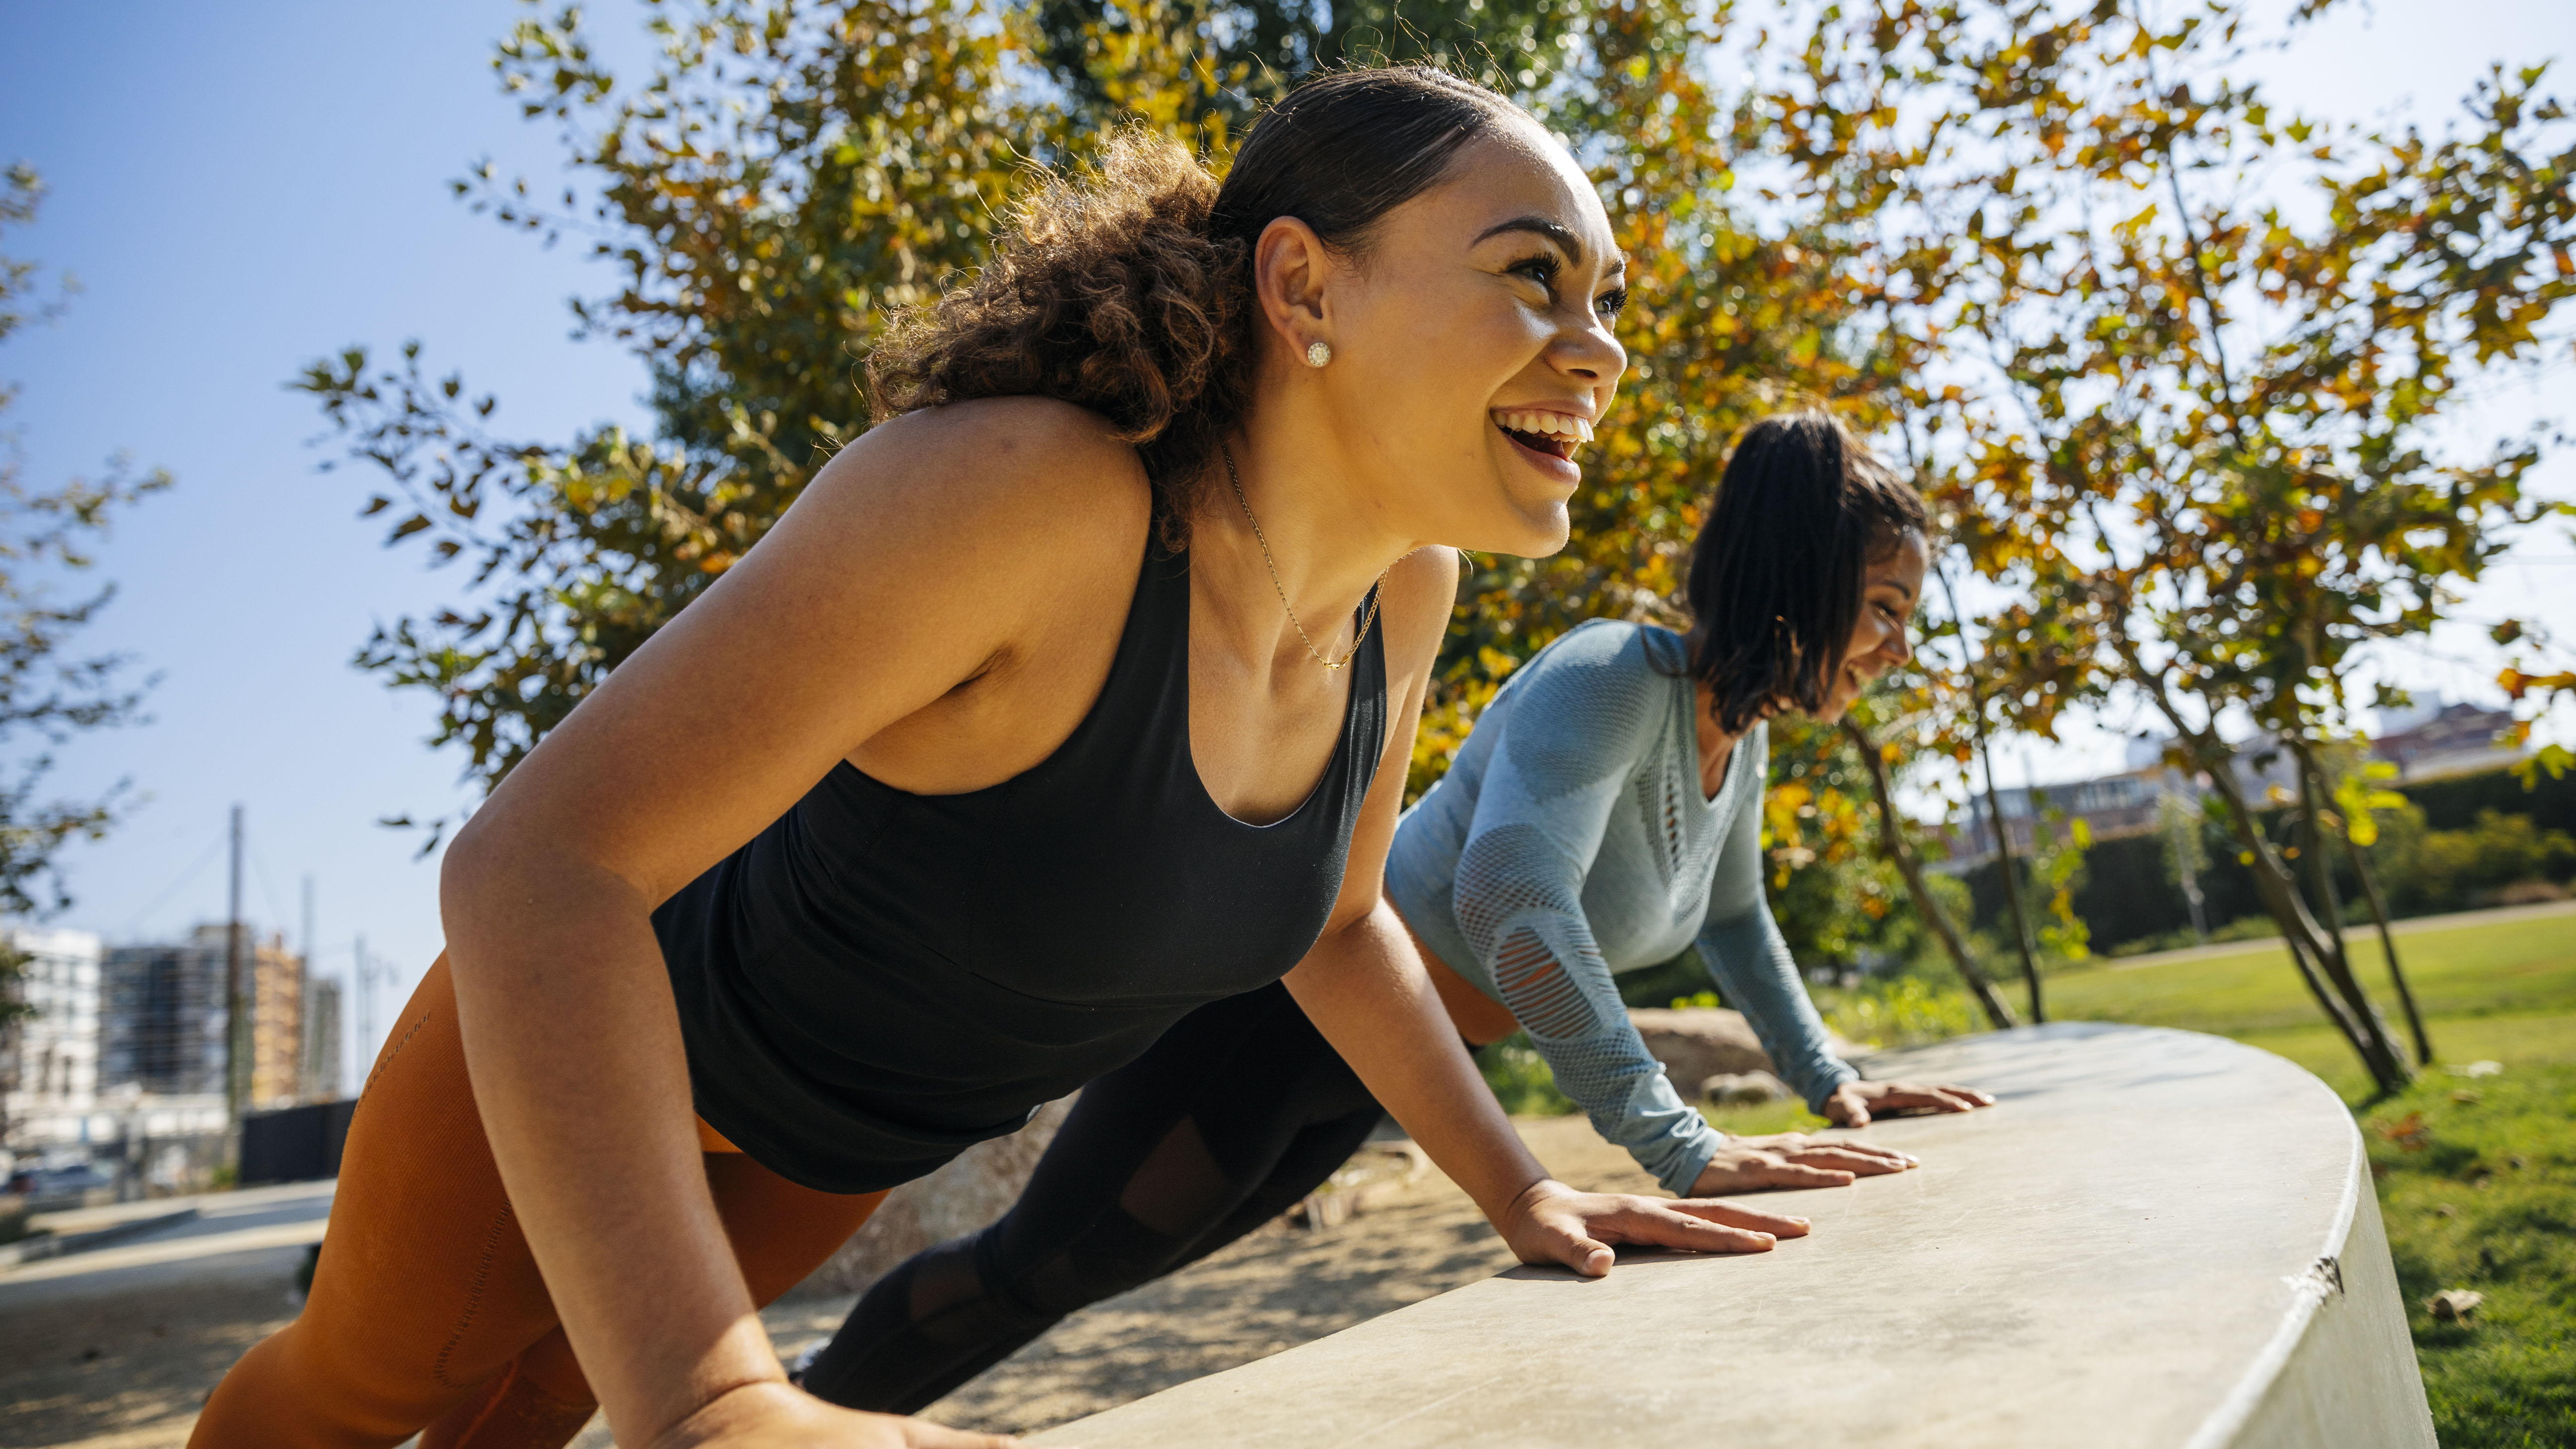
(1583, 743)
(1539, 992)
(1519, 903)
(1505, 872)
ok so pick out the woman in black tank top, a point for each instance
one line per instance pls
(1075, 696)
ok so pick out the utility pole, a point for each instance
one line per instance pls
(366, 1003)
(307, 1083)
(237, 1051)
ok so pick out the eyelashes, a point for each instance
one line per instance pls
(1544, 268)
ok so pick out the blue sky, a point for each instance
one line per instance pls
(242, 188)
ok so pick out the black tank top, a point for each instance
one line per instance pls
(880, 980)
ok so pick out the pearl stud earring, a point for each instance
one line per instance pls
(1317, 354)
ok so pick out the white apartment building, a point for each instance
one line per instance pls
(49, 1059)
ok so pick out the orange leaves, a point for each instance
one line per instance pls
(2410, 1133)
(2518, 684)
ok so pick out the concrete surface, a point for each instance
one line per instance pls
(255, 1220)
(2155, 1238)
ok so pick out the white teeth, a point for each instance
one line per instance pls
(1546, 424)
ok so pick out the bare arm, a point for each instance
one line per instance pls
(1365, 988)
(897, 580)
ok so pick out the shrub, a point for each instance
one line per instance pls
(2433, 870)
(1520, 1078)
(1904, 1011)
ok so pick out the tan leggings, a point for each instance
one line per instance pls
(427, 1312)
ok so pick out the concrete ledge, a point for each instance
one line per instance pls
(54, 1244)
(2155, 1238)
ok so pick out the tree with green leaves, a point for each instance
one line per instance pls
(2186, 430)
(787, 178)
(1265, 47)
(782, 183)
(48, 692)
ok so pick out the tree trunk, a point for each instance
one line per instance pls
(2338, 959)
(2011, 871)
(2388, 944)
(1892, 840)
(1995, 811)
(2360, 1024)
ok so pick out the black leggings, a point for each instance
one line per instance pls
(1239, 1111)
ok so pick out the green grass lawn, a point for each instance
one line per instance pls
(2486, 991)
(2476, 1176)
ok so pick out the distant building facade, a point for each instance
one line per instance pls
(163, 1023)
(275, 982)
(2425, 742)
(2122, 804)
(49, 1058)
(162, 1029)
(2438, 739)
(321, 1039)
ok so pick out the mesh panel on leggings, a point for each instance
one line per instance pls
(1222, 1125)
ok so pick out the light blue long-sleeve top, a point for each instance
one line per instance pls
(1570, 841)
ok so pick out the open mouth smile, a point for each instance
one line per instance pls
(1544, 431)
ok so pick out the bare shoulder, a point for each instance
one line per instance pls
(1421, 592)
(995, 476)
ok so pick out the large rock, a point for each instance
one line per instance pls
(1696, 1043)
(968, 1194)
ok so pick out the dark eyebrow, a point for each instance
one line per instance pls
(1897, 584)
(1556, 232)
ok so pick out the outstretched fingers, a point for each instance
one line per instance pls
(1799, 1173)
(1916, 1097)
(1734, 1215)
(1651, 1223)
(1852, 1158)
(1579, 1229)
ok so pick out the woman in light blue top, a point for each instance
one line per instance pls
(1607, 812)
(1604, 815)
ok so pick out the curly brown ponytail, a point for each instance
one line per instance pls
(1128, 289)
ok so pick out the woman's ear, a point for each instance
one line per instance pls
(1292, 271)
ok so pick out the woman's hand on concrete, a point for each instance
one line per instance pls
(1552, 1223)
(1853, 1104)
(1793, 1159)
(772, 1415)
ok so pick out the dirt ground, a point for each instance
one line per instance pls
(128, 1369)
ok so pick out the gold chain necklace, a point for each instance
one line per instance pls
(1375, 593)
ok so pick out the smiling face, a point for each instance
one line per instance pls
(1471, 342)
(1891, 584)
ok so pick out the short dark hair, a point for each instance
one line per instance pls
(1129, 290)
(1776, 576)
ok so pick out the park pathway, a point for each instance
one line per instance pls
(117, 1348)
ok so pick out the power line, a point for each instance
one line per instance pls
(267, 891)
(134, 927)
